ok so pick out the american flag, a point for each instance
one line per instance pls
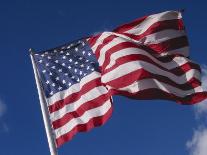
(145, 59)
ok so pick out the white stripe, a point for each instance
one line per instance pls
(143, 26)
(99, 41)
(90, 95)
(153, 83)
(184, 51)
(85, 118)
(150, 20)
(156, 38)
(129, 67)
(162, 36)
(176, 62)
(103, 51)
(73, 89)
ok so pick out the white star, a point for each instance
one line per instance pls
(60, 70)
(87, 60)
(81, 72)
(51, 93)
(83, 43)
(53, 67)
(75, 70)
(69, 67)
(76, 49)
(47, 82)
(68, 47)
(44, 71)
(61, 52)
(59, 88)
(55, 51)
(84, 52)
(67, 53)
(57, 78)
(73, 77)
(64, 82)
(53, 84)
(88, 67)
(56, 61)
(82, 65)
(76, 62)
(78, 80)
(64, 57)
(49, 57)
(50, 73)
(69, 84)
(84, 74)
(63, 64)
(40, 61)
(47, 64)
(89, 54)
(70, 60)
(42, 55)
(80, 58)
(92, 69)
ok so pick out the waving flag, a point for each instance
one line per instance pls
(145, 59)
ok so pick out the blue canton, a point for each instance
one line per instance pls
(62, 67)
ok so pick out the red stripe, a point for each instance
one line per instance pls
(169, 45)
(81, 110)
(141, 74)
(125, 45)
(179, 70)
(176, 24)
(151, 94)
(93, 39)
(126, 27)
(75, 96)
(94, 122)
(105, 42)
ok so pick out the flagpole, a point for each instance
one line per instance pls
(44, 109)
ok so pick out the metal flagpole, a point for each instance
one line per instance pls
(44, 109)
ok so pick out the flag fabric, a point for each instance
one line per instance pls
(149, 59)
(77, 100)
(145, 59)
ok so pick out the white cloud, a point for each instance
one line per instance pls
(201, 108)
(198, 144)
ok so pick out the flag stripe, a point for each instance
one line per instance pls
(73, 106)
(127, 52)
(143, 74)
(150, 94)
(85, 118)
(171, 44)
(150, 20)
(119, 44)
(178, 69)
(146, 84)
(175, 24)
(135, 65)
(98, 101)
(93, 122)
(73, 89)
(76, 95)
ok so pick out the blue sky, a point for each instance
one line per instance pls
(136, 127)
